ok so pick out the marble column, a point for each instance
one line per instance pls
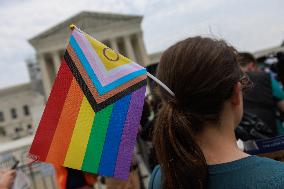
(113, 44)
(45, 75)
(142, 49)
(56, 59)
(129, 48)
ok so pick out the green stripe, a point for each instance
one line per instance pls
(96, 140)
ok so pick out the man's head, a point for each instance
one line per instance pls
(247, 61)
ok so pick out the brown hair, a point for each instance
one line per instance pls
(202, 73)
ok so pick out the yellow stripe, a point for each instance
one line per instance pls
(79, 141)
(98, 47)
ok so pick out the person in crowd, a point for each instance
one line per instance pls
(266, 97)
(194, 133)
(145, 129)
(148, 118)
(280, 67)
(132, 182)
(74, 179)
(7, 178)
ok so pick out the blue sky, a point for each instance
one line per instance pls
(248, 25)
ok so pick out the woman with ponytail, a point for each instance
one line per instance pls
(194, 133)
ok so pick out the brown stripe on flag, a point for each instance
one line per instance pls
(97, 107)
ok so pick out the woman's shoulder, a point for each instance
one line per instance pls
(253, 171)
(269, 165)
(248, 164)
(269, 172)
(250, 172)
(155, 180)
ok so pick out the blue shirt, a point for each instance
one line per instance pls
(247, 173)
(277, 90)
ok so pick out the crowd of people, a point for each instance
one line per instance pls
(220, 95)
(263, 103)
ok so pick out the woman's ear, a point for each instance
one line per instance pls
(237, 94)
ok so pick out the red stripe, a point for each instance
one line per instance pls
(66, 124)
(51, 114)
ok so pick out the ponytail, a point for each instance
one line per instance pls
(202, 73)
(182, 162)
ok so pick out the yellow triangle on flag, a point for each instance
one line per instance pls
(108, 57)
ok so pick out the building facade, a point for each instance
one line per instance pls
(15, 111)
(35, 76)
(122, 33)
(264, 53)
(21, 106)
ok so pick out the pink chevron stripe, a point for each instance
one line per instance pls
(122, 70)
(104, 76)
(95, 67)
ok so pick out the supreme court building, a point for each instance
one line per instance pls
(122, 33)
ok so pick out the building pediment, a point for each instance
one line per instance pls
(87, 21)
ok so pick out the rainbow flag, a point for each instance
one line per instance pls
(92, 115)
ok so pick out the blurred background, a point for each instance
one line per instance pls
(34, 34)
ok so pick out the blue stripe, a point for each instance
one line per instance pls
(113, 137)
(102, 89)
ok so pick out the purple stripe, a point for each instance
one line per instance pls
(128, 138)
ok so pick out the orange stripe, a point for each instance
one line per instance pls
(66, 124)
